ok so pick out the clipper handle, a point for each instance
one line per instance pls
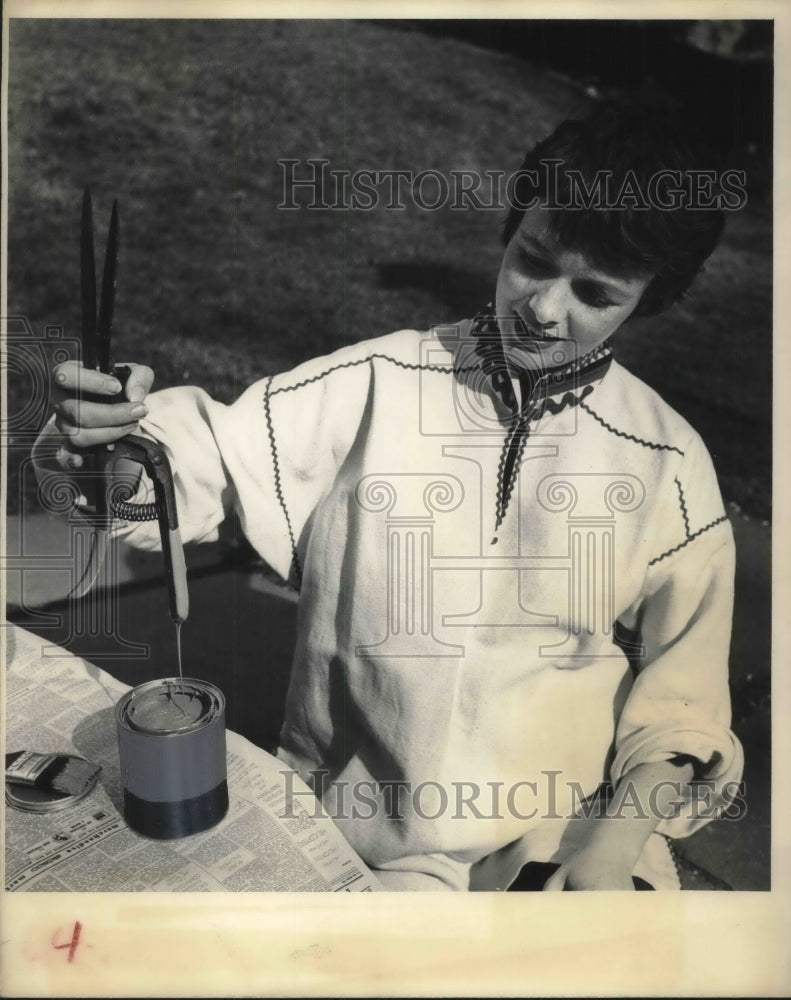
(94, 482)
(154, 460)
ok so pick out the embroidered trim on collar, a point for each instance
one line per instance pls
(528, 395)
(488, 347)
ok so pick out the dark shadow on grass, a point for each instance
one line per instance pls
(461, 292)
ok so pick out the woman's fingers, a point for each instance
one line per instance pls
(90, 415)
(556, 881)
(70, 377)
(68, 459)
(82, 417)
(139, 383)
(82, 437)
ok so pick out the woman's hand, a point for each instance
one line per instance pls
(643, 797)
(85, 422)
(591, 868)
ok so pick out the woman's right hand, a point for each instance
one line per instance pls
(85, 422)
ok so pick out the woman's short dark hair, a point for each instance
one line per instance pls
(630, 188)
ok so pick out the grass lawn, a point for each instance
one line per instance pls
(184, 121)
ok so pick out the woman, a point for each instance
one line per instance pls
(469, 514)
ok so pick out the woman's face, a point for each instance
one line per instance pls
(552, 305)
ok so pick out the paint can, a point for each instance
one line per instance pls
(171, 742)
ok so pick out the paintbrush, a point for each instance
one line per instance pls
(62, 773)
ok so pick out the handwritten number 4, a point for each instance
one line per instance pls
(71, 945)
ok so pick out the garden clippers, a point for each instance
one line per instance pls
(106, 485)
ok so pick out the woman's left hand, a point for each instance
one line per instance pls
(591, 869)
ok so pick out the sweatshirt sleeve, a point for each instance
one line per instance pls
(270, 456)
(680, 702)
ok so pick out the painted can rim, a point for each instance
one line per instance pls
(216, 709)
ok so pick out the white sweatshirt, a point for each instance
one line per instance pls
(458, 599)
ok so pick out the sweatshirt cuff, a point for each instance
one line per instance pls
(715, 786)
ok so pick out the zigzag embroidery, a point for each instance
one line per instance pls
(630, 437)
(567, 399)
(444, 369)
(683, 503)
(278, 484)
(514, 443)
(690, 538)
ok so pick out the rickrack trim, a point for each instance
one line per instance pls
(690, 538)
(510, 459)
(547, 403)
(278, 484)
(630, 437)
(515, 439)
(443, 369)
(514, 446)
(269, 393)
(683, 504)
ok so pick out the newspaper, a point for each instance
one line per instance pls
(68, 705)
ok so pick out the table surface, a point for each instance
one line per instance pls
(57, 702)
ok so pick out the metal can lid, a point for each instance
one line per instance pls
(39, 800)
(170, 707)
